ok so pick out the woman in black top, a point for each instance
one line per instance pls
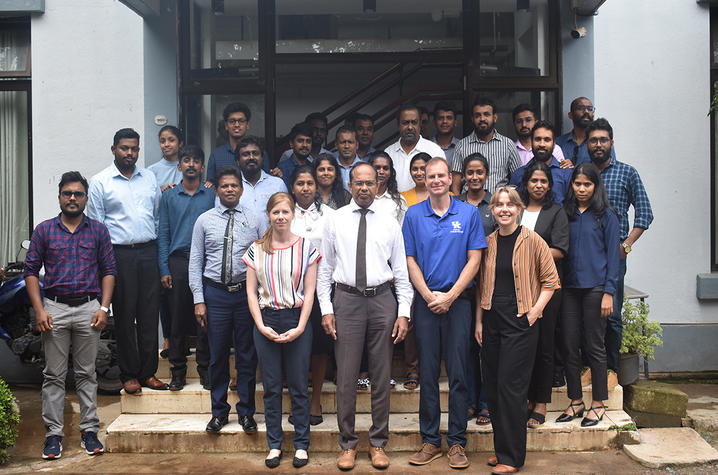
(546, 218)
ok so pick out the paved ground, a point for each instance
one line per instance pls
(26, 454)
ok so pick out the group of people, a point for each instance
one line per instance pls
(481, 250)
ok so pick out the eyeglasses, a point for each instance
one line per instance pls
(601, 140)
(236, 121)
(361, 184)
(77, 194)
(585, 108)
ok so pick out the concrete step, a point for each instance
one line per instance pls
(195, 400)
(185, 433)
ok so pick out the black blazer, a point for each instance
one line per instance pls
(552, 226)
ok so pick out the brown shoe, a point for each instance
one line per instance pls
(346, 459)
(132, 386)
(378, 457)
(457, 457)
(426, 454)
(492, 461)
(154, 383)
(502, 469)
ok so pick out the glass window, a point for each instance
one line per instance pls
(14, 51)
(361, 26)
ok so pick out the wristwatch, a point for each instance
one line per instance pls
(105, 309)
(626, 247)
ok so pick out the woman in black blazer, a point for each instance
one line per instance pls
(548, 220)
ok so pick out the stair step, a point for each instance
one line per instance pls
(185, 433)
(195, 400)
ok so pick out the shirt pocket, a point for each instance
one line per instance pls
(57, 253)
(87, 251)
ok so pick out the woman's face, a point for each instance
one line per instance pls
(326, 174)
(169, 143)
(383, 170)
(537, 185)
(418, 171)
(475, 175)
(583, 189)
(304, 189)
(281, 215)
(505, 212)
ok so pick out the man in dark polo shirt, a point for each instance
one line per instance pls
(79, 267)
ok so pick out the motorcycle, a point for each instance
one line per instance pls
(17, 328)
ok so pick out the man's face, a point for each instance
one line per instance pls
(409, 126)
(229, 190)
(365, 132)
(438, 179)
(523, 123)
(542, 144)
(236, 125)
(445, 122)
(319, 131)
(73, 205)
(582, 113)
(484, 119)
(424, 123)
(363, 185)
(346, 146)
(301, 146)
(126, 152)
(250, 159)
(191, 167)
(599, 145)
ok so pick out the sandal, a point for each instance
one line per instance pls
(411, 383)
(569, 417)
(538, 418)
(589, 422)
(484, 418)
(363, 384)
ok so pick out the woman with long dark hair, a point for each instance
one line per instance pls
(329, 182)
(590, 275)
(417, 170)
(387, 196)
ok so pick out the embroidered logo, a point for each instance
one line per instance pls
(457, 227)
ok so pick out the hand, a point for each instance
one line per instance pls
(268, 333)
(200, 313)
(289, 335)
(99, 320)
(401, 327)
(276, 172)
(479, 332)
(166, 281)
(328, 323)
(532, 316)
(441, 303)
(606, 305)
(43, 320)
(622, 251)
(566, 163)
(167, 187)
(208, 184)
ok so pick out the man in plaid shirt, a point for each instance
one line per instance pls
(625, 189)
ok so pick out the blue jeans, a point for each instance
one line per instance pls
(614, 329)
(451, 331)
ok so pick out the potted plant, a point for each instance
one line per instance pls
(640, 338)
(9, 421)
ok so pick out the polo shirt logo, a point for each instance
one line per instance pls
(457, 227)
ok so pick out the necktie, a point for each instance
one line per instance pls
(227, 251)
(361, 252)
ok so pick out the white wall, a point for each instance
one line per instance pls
(652, 83)
(87, 82)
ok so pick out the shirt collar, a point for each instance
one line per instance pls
(262, 176)
(180, 189)
(222, 208)
(310, 159)
(354, 206)
(520, 146)
(312, 208)
(429, 211)
(454, 142)
(58, 222)
(475, 138)
(116, 171)
(351, 165)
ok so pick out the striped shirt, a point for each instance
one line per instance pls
(281, 274)
(500, 151)
(533, 265)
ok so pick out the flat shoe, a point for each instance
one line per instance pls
(315, 420)
(501, 468)
(492, 461)
(273, 462)
(299, 463)
(540, 418)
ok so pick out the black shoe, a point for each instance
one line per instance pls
(299, 463)
(177, 384)
(216, 423)
(587, 422)
(569, 417)
(248, 424)
(273, 462)
(164, 354)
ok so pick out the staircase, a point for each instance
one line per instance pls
(174, 422)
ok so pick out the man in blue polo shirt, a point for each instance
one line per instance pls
(258, 185)
(443, 239)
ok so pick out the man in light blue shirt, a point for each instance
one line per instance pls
(258, 185)
(347, 157)
(126, 199)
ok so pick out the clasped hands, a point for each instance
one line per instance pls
(401, 327)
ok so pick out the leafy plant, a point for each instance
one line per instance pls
(639, 335)
(9, 421)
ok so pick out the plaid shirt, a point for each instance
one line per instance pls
(74, 262)
(625, 188)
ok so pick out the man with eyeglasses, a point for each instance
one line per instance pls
(79, 274)
(573, 143)
(363, 253)
(258, 185)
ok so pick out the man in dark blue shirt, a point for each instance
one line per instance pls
(300, 138)
(573, 143)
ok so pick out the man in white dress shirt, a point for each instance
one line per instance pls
(363, 252)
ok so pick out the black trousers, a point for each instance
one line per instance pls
(583, 328)
(183, 323)
(507, 357)
(540, 389)
(136, 304)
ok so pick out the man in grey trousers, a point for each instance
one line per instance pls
(79, 278)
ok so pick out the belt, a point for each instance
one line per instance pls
(137, 245)
(368, 292)
(226, 287)
(184, 254)
(75, 301)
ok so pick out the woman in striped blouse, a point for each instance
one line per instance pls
(518, 278)
(281, 279)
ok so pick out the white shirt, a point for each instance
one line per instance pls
(386, 204)
(402, 159)
(385, 255)
(309, 223)
(529, 218)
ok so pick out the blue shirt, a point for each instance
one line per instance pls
(440, 243)
(561, 178)
(568, 145)
(345, 171)
(223, 156)
(593, 252)
(288, 166)
(255, 197)
(178, 212)
(448, 151)
(625, 188)
(166, 172)
(129, 207)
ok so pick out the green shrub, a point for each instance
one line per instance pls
(9, 421)
(639, 335)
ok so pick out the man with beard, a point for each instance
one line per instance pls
(179, 209)
(445, 123)
(573, 143)
(625, 189)
(79, 271)
(300, 139)
(499, 150)
(364, 126)
(410, 143)
(258, 185)
(347, 158)
(524, 118)
(543, 148)
(126, 199)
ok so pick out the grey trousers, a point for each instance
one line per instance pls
(360, 318)
(70, 328)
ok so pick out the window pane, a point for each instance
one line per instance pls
(14, 49)
(329, 26)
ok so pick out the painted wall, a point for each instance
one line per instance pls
(577, 75)
(87, 70)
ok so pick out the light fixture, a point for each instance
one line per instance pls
(369, 6)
